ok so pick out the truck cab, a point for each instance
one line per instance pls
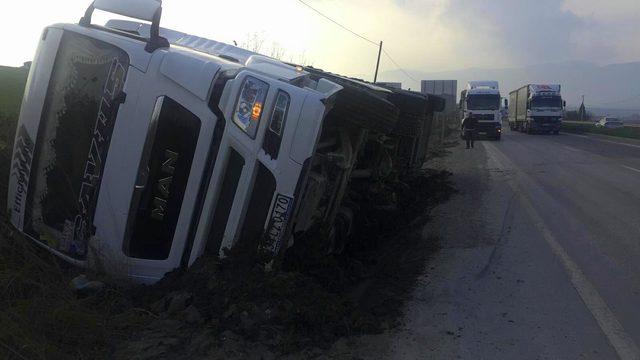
(482, 99)
(537, 108)
(140, 149)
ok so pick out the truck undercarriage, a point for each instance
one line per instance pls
(372, 139)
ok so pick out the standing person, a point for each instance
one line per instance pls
(469, 129)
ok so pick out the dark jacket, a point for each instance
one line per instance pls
(469, 124)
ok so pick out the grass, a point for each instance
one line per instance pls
(12, 82)
(42, 318)
(625, 132)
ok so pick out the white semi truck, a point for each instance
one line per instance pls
(536, 108)
(482, 98)
(139, 149)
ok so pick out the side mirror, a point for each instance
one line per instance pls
(564, 103)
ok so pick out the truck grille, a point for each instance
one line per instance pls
(485, 117)
(546, 119)
(486, 127)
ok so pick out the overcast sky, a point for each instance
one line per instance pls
(425, 35)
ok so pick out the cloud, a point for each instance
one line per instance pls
(524, 32)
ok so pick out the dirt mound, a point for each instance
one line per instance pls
(230, 308)
(239, 308)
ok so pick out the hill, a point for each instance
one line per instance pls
(614, 86)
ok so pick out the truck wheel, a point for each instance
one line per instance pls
(366, 110)
(556, 132)
(409, 125)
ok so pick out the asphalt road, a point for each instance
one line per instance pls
(540, 258)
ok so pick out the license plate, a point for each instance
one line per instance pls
(278, 222)
(482, 133)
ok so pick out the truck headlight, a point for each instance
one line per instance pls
(250, 104)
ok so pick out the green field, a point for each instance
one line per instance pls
(12, 82)
(587, 127)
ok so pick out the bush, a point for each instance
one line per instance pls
(625, 132)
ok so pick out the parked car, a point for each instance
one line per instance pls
(609, 123)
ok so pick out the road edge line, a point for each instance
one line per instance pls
(622, 343)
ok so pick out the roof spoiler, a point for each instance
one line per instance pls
(147, 10)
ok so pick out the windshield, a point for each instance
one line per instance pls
(546, 102)
(78, 116)
(483, 102)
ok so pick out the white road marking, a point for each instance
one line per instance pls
(630, 168)
(571, 148)
(624, 346)
(607, 141)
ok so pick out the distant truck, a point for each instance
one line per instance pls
(482, 98)
(536, 109)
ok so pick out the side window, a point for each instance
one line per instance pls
(164, 171)
(273, 137)
(248, 110)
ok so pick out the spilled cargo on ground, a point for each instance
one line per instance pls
(140, 149)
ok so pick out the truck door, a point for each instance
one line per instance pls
(272, 127)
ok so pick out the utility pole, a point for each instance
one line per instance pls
(375, 77)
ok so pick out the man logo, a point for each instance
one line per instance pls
(163, 186)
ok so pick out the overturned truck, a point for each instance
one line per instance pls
(140, 149)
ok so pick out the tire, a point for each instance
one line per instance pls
(409, 125)
(556, 132)
(410, 103)
(360, 104)
(364, 109)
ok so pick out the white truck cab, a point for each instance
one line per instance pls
(139, 149)
(537, 108)
(482, 99)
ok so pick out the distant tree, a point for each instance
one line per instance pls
(277, 51)
(253, 42)
(571, 115)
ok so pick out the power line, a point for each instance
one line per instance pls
(398, 66)
(337, 23)
(360, 36)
